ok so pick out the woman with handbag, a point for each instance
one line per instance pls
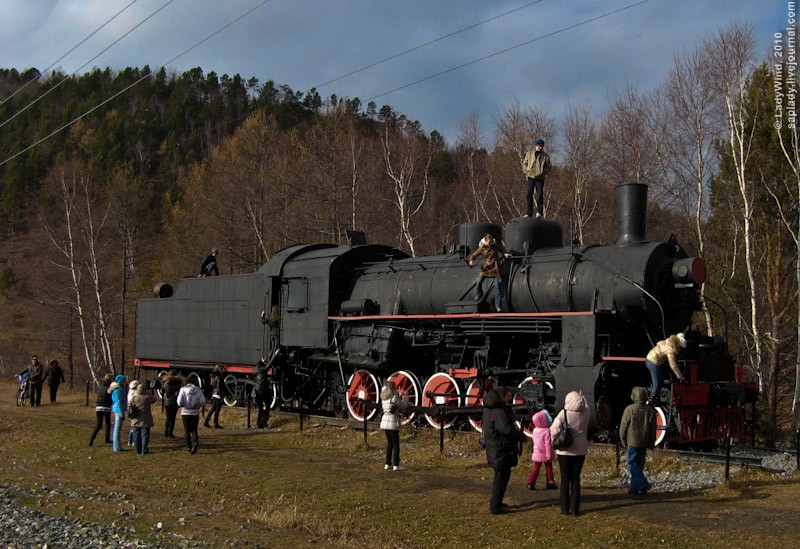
(575, 418)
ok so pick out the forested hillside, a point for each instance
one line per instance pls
(114, 180)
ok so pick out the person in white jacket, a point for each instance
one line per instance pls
(392, 404)
(191, 400)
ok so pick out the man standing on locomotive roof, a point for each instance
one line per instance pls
(492, 252)
(536, 165)
(637, 432)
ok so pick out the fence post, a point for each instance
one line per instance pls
(619, 444)
(727, 454)
(301, 415)
(441, 431)
(797, 448)
(88, 385)
(247, 403)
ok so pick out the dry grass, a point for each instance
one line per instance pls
(326, 487)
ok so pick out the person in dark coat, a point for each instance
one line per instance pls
(218, 392)
(170, 386)
(502, 440)
(35, 379)
(54, 377)
(210, 264)
(263, 393)
(637, 432)
(103, 408)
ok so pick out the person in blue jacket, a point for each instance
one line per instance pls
(119, 399)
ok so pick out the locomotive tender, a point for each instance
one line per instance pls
(577, 317)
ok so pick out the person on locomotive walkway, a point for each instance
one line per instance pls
(218, 392)
(542, 450)
(119, 406)
(570, 459)
(262, 390)
(536, 165)
(209, 264)
(392, 405)
(191, 399)
(502, 440)
(133, 388)
(35, 373)
(142, 403)
(666, 350)
(54, 376)
(170, 385)
(637, 432)
(102, 408)
(492, 253)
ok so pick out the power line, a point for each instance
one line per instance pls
(527, 42)
(71, 122)
(395, 56)
(76, 46)
(114, 43)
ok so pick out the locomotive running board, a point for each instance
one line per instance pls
(459, 315)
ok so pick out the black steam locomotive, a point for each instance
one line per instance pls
(574, 317)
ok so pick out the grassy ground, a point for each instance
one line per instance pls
(326, 487)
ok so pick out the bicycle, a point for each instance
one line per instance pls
(22, 390)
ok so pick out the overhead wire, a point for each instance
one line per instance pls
(428, 43)
(114, 43)
(76, 46)
(506, 50)
(405, 86)
(144, 77)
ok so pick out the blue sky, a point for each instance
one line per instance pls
(306, 43)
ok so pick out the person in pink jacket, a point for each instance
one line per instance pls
(570, 459)
(542, 450)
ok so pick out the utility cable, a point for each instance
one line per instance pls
(395, 56)
(145, 76)
(527, 42)
(114, 43)
(76, 46)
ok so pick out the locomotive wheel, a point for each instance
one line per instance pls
(362, 386)
(238, 391)
(475, 398)
(408, 384)
(661, 425)
(526, 425)
(441, 389)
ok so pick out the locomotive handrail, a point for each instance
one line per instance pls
(633, 283)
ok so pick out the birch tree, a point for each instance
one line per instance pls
(79, 241)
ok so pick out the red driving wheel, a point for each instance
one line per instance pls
(407, 384)
(443, 390)
(475, 398)
(362, 386)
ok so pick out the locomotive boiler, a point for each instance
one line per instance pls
(574, 317)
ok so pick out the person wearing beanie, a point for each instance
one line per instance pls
(119, 399)
(637, 432)
(536, 165)
(666, 350)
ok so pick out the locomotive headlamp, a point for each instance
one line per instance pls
(691, 270)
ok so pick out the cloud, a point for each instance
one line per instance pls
(304, 44)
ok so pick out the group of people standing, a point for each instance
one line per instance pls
(36, 376)
(503, 442)
(116, 396)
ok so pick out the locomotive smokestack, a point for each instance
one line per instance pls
(632, 211)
